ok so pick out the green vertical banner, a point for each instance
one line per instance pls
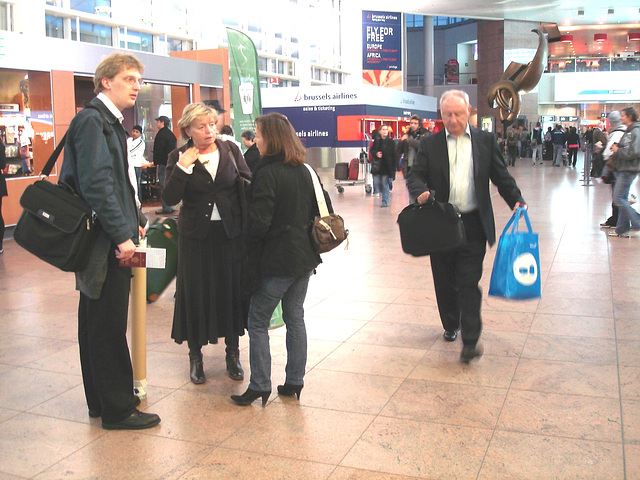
(245, 82)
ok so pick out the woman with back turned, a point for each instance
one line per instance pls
(282, 257)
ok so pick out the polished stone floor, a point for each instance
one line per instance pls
(556, 395)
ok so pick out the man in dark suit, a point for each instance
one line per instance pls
(164, 143)
(95, 163)
(455, 166)
(251, 155)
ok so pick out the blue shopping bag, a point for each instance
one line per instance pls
(516, 269)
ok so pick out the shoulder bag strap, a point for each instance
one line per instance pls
(46, 170)
(322, 204)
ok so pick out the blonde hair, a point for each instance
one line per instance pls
(112, 65)
(193, 112)
(281, 138)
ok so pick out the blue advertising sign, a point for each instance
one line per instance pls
(381, 41)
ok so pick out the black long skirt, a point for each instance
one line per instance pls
(209, 300)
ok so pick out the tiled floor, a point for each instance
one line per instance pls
(556, 395)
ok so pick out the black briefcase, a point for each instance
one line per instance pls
(56, 225)
(431, 227)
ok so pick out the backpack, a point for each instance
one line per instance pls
(547, 136)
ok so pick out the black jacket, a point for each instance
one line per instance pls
(163, 145)
(281, 209)
(431, 172)
(3, 162)
(198, 192)
(252, 157)
(388, 164)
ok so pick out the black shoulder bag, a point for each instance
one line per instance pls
(56, 225)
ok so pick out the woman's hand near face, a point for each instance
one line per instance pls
(188, 157)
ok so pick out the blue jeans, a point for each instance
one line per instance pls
(626, 214)
(292, 292)
(381, 183)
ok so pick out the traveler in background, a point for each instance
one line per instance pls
(203, 174)
(512, 145)
(136, 146)
(95, 164)
(559, 140)
(599, 142)
(385, 163)
(251, 155)
(164, 143)
(573, 144)
(548, 144)
(455, 165)
(627, 167)
(226, 133)
(523, 138)
(536, 144)
(409, 144)
(615, 135)
(282, 257)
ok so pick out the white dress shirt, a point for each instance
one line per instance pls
(462, 190)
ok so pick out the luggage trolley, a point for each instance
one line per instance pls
(355, 172)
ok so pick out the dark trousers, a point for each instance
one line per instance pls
(104, 354)
(456, 276)
(1, 225)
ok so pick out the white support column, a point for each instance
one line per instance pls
(429, 89)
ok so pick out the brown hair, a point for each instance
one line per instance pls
(112, 65)
(280, 138)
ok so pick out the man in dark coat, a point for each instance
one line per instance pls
(385, 163)
(95, 163)
(164, 143)
(252, 155)
(455, 165)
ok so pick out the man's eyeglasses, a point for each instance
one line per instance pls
(133, 80)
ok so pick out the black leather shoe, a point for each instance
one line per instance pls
(450, 335)
(196, 370)
(234, 368)
(469, 352)
(136, 421)
(248, 397)
(97, 412)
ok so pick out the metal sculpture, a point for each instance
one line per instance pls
(518, 78)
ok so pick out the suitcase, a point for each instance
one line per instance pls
(341, 171)
(430, 228)
(354, 169)
(163, 233)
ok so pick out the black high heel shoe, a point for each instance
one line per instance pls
(289, 390)
(248, 397)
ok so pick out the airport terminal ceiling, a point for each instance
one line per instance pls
(546, 11)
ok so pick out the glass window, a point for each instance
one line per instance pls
(133, 40)
(262, 64)
(92, 33)
(173, 45)
(101, 7)
(415, 21)
(54, 26)
(5, 17)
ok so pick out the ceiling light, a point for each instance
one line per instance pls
(600, 37)
(634, 36)
(566, 38)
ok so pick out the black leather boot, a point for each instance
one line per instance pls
(196, 368)
(234, 369)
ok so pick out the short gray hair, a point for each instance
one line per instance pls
(193, 112)
(455, 93)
